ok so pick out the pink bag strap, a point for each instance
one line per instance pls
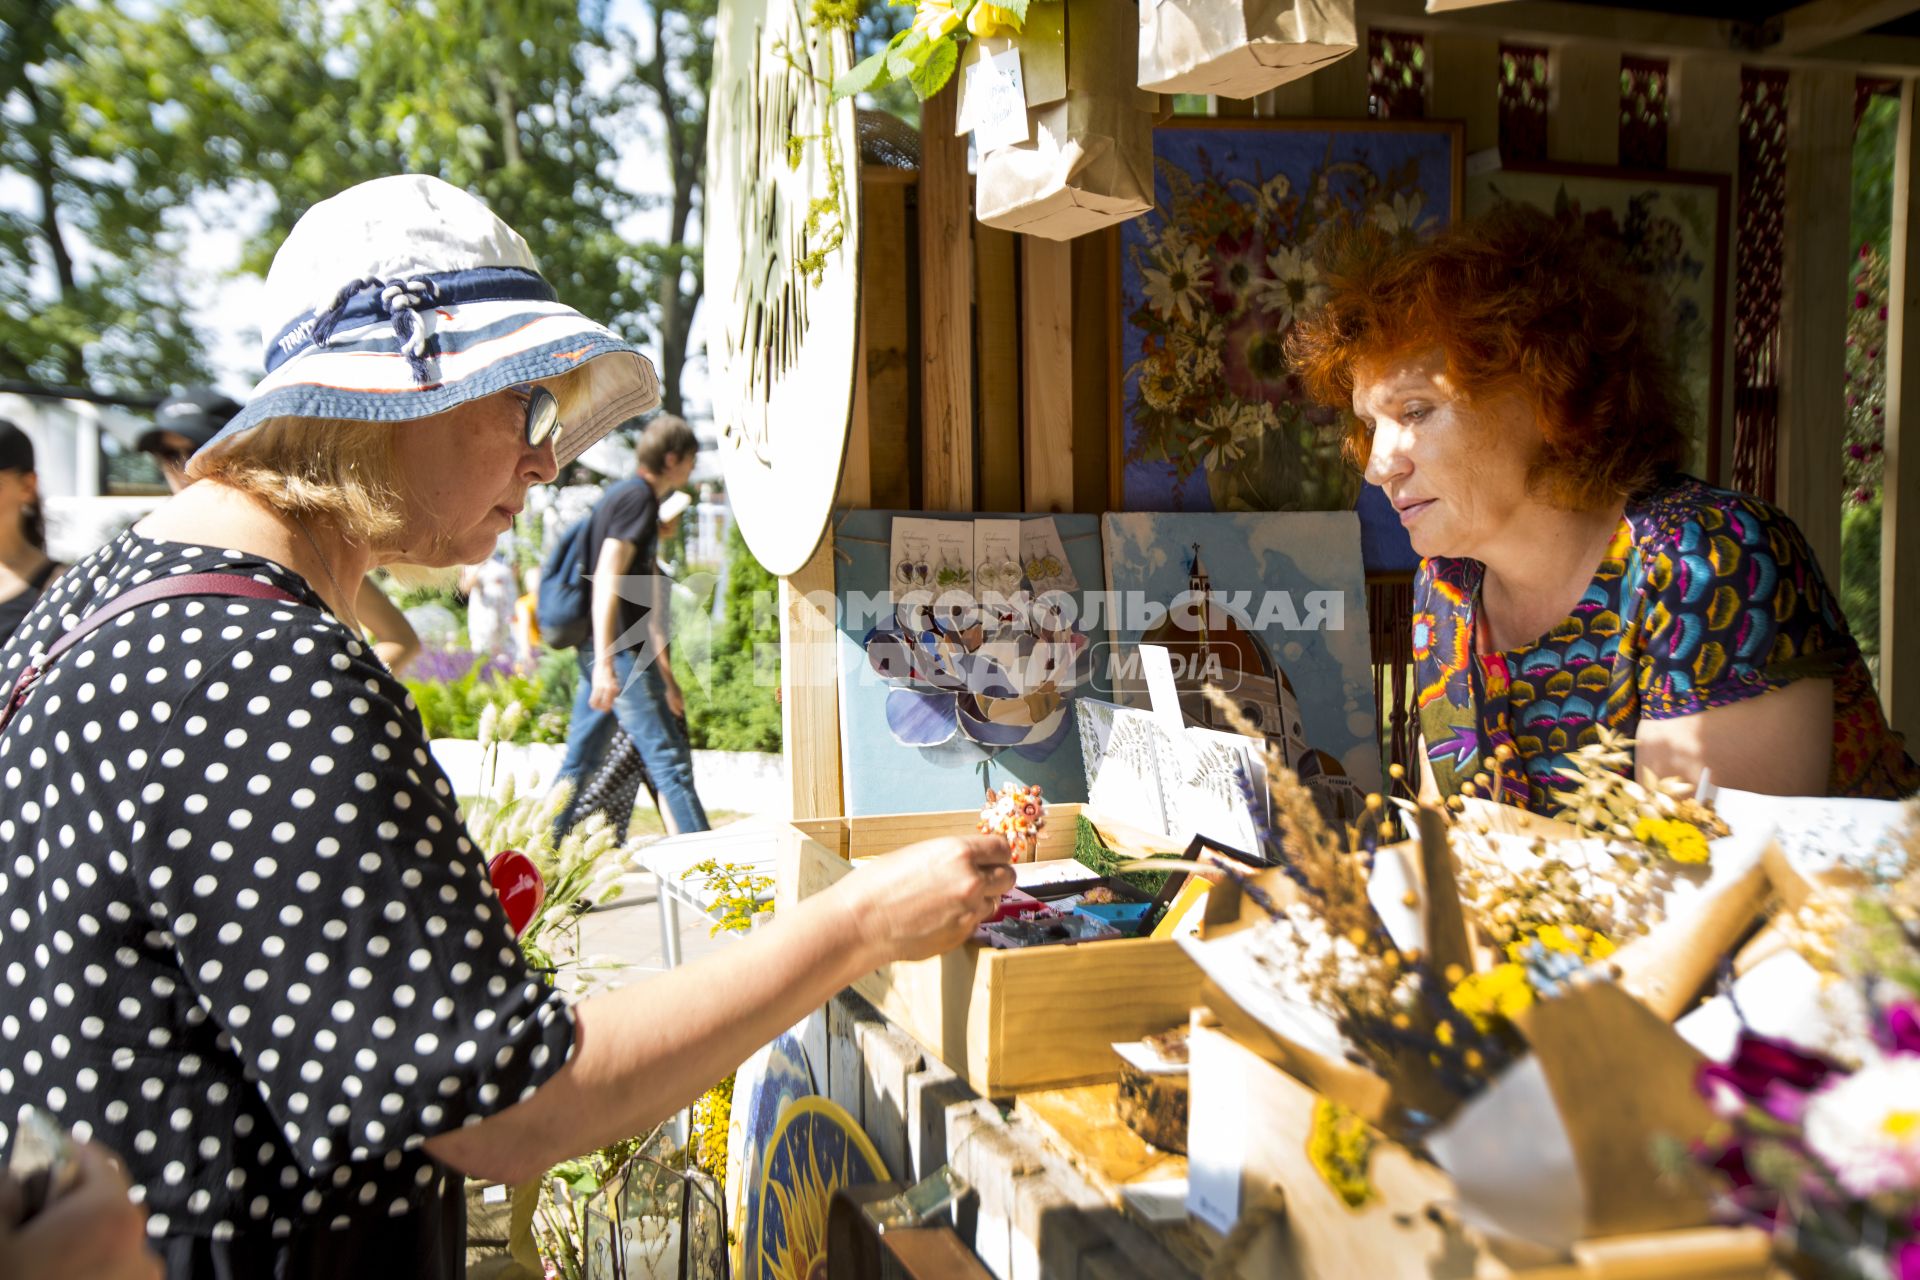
(167, 588)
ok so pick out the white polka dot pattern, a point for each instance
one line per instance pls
(244, 938)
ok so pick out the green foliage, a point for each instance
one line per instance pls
(729, 676)
(457, 707)
(1860, 572)
(1873, 148)
(1089, 850)
(132, 111)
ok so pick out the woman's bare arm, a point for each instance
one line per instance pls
(644, 1051)
(1779, 743)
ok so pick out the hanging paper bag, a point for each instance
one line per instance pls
(1239, 48)
(1086, 161)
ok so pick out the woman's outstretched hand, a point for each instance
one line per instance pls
(927, 898)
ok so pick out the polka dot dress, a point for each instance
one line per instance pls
(244, 939)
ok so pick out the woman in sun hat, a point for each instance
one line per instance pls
(244, 936)
(182, 424)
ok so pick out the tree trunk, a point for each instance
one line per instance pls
(73, 370)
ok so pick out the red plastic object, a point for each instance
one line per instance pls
(519, 885)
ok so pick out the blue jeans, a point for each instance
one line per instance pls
(641, 709)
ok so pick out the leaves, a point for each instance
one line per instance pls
(932, 75)
(125, 114)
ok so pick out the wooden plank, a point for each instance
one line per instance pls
(1583, 104)
(884, 321)
(1900, 516)
(1703, 136)
(985, 1156)
(1645, 32)
(810, 685)
(1046, 338)
(930, 1091)
(811, 1031)
(1042, 1201)
(1821, 22)
(846, 1074)
(856, 463)
(997, 340)
(888, 1056)
(1096, 395)
(946, 302)
(1084, 1125)
(1813, 308)
(1340, 90)
(1463, 79)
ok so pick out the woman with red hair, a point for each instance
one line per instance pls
(1513, 398)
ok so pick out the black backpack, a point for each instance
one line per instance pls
(565, 606)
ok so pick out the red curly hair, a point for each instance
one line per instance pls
(1518, 301)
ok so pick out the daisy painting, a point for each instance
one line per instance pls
(1213, 279)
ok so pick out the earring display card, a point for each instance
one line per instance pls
(1047, 564)
(941, 698)
(954, 556)
(997, 569)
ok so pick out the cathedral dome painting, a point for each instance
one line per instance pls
(1211, 643)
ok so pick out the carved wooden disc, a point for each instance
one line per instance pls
(782, 271)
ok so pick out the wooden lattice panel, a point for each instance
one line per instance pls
(1761, 214)
(1523, 103)
(1644, 110)
(1396, 75)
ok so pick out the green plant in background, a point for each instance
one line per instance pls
(453, 690)
(729, 683)
(580, 872)
(1872, 224)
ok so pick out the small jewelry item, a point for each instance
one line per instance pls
(1017, 812)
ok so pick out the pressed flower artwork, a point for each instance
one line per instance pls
(1212, 280)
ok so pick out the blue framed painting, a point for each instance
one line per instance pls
(1284, 632)
(1212, 280)
(934, 709)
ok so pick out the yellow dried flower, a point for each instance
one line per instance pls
(1340, 1147)
(1500, 994)
(935, 19)
(1681, 841)
(992, 20)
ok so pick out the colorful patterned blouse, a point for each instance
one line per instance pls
(1704, 598)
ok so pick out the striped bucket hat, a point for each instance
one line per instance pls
(403, 297)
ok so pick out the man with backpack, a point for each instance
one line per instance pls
(602, 591)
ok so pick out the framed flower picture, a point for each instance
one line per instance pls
(1671, 228)
(1211, 281)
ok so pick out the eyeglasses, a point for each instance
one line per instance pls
(543, 417)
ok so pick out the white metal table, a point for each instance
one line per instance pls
(752, 846)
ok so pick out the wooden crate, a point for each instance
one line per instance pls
(1406, 1232)
(1004, 1020)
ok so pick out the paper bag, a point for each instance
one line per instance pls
(1239, 48)
(1087, 162)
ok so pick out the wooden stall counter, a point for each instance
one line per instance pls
(1005, 1021)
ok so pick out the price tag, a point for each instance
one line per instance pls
(997, 97)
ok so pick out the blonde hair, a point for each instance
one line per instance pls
(344, 472)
